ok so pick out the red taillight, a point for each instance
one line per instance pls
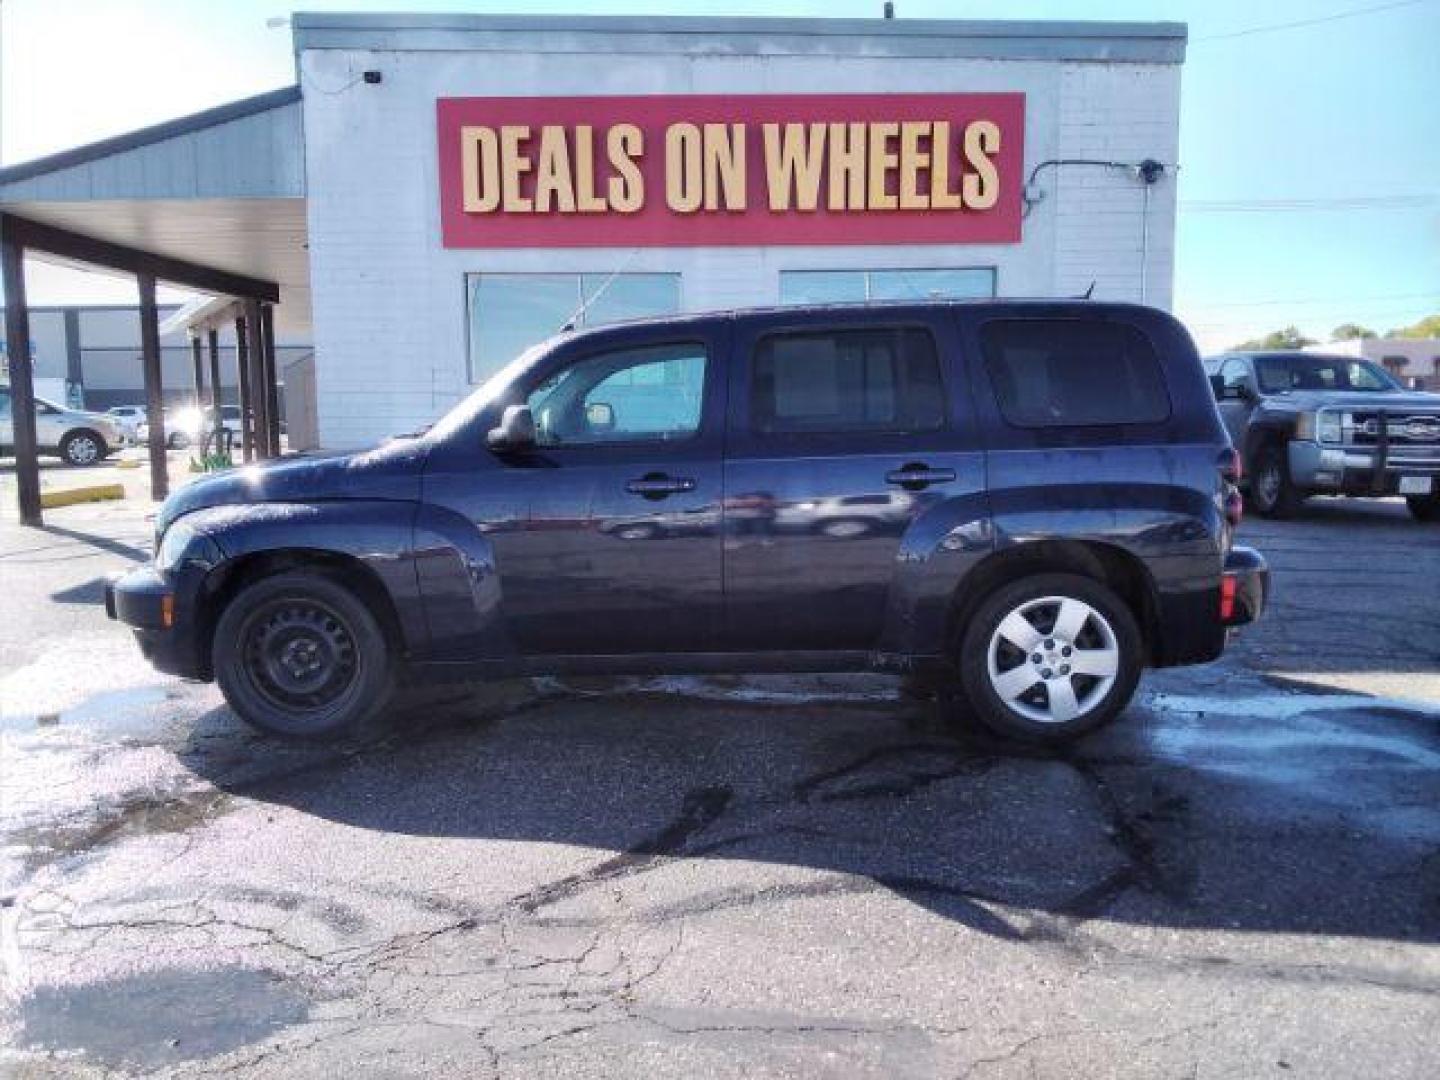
(1234, 507)
(1231, 468)
(1228, 586)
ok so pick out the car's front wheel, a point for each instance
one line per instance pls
(299, 654)
(1050, 658)
(1424, 507)
(1272, 494)
(80, 448)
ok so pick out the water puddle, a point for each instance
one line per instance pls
(160, 1018)
(143, 814)
(112, 713)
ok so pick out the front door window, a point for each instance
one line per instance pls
(649, 394)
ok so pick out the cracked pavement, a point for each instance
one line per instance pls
(732, 877)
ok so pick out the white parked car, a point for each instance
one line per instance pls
(129, 417)
(76, 436)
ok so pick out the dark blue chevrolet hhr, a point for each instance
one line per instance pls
(1024, 503)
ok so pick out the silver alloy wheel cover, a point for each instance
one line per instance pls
(1074, 616)
(1267, 483)
(83, 449)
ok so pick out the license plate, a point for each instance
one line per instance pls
(1415, 485)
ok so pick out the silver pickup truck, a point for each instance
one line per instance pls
(1309, 424)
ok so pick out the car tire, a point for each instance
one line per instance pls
(1034, 694)
(1424, 507)
(300, 655)
(1272, 494)
(83, 447)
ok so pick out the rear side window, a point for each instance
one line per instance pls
(883, 379)
(1072, 372)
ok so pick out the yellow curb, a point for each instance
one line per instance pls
(127, 463)
(49, 500)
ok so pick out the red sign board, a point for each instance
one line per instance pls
(691, 171)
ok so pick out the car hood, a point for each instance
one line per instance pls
(1340, 399)
(390, 472)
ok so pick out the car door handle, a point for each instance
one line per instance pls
(915, 476)
(658, 485)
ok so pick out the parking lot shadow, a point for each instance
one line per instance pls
(1320, 823)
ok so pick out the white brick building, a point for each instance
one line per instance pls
(336, 189)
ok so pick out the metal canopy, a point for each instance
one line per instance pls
(254, 330)
(213, 202)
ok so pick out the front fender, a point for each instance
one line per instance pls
(378, 534)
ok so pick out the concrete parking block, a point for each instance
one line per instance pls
(50, 500)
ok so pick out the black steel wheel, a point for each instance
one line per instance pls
(299, 654)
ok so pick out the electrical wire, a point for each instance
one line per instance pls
(1433, 294)
(1299, 23)
(1354, 202)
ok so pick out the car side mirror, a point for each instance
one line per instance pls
(600, 416)
(515, 432)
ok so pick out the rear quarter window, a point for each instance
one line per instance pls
(1073, 373)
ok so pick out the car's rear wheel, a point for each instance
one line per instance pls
(1050, 658)
(80, 448)
(1424, 507)
(1272, 494)
(298, 654)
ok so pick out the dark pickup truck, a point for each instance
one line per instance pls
(1027, 501)
(1309, 424)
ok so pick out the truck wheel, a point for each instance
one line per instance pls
(300, 655)
(82, 447)
(1050, 658)
(1272, 494)
(1424, 507)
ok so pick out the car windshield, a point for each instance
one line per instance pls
(1278, 374)
(491, 390)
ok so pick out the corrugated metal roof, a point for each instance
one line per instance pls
(251, 147)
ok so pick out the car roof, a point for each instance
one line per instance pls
(845, 309)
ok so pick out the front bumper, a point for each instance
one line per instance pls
(160, 617)
(1245, 586)
(1364, 470)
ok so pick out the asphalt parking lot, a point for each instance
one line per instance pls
(732, 877)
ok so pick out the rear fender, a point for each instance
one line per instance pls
(1174, 532)
(941, 546)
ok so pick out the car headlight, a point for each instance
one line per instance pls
(1327, 427)
(180, 543)
(1320, 426)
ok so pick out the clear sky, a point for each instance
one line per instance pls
(1337, 120)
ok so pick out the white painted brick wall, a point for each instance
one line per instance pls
(389, 300)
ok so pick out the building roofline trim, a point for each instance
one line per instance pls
(146, 136)
(1001, 39)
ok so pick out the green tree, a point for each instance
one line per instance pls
(1351, 332)
(1428, 327)
(1289, 338)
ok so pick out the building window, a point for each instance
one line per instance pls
(510, 312)
(836, 286)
